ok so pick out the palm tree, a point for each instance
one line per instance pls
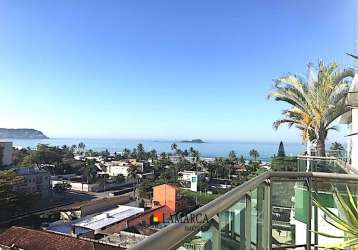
(174, 147)
(81, 146)
(315, 102)
(163, 155)
(354, 56)
(153, 154)
(140, 152)
(126, 153)
(89, 171)
(232, 157)
(337, 149)
(196, 155)
(133, 172)
(254, 154)
(73, 148)
(220, 167)
(346, 221)
(242, 159)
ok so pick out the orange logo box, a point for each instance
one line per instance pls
(157, 217)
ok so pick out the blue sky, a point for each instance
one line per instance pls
(161, 69)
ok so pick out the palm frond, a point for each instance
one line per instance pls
(347, 221)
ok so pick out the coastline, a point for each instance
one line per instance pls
(208, 149)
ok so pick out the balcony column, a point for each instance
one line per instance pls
(267, 220)
(309, 215)
(216, 233)
(248, 222)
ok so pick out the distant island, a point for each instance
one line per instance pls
(21, 133)
(193, 141)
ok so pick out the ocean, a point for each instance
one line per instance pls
(208, 149)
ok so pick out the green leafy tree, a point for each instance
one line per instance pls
(120, 178)
(141, 203)
(315, 103)
(61, 188)
(145, 189)
(13, 196)
(284, 163)
(281, 150)
(89, 171)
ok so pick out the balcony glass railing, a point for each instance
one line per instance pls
(272, 211)
(328, 164)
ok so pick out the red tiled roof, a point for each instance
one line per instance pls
(30, 239)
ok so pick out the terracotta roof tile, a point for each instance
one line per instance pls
(30, 239)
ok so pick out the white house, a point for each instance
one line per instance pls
(186, 175)
(115, 168)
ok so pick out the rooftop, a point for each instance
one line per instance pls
(25, 238)
(29, 170)
(109, 217)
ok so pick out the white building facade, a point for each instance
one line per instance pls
(36, 180)
(351, 119)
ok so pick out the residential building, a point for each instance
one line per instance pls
(93, 224)
(29, 239)
(36, 180)
(351, 120)
(168, 195)
(186, 175)
(115, 168)
(81, 209)
(166, 202)
(6, 153)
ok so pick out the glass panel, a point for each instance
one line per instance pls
(319, 165)
(232, 226)
(255, 214)
(259, 217)
(289, 213)
(207, 238)
(226, 231)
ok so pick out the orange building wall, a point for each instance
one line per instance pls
(164, 195)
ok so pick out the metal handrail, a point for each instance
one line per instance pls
(174, 234)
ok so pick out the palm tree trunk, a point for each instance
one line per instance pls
(321, 146)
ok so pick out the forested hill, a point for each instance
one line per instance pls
(21, 133)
